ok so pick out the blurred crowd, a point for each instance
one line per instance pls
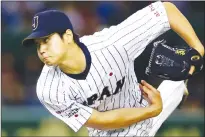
(20, 69)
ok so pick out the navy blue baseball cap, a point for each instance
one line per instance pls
(46, 23)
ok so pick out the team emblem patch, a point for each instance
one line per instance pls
(35, 23)
(180, 52)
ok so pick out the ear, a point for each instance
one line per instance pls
(68, 36)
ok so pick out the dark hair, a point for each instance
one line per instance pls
(61, 34)
(75, 37)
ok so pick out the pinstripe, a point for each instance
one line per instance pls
(103, 69)
(141, 126)
(106, 74)
(81, 88)
(72, 95)
(137, 129)
(135, 100)
(129, 98)
(99, 75)
(149, 121)
(126, 54)
(115, 62)
(73, 125)
(138, 50)
(120, 57)
(95, 83)
(79, 91)
(45, 84)
(44, 104)
(113, 103)
(109, 62)
(82, 116)
(79, 121)
(49, 91)
(124, 94)
(127, 131)
(82, 108)
(71, 89)
(120, 98)
(88, 85)
(135, 85)
(111, 68)
(120, 30)
(58, 88)
(64, 97)
(121, 37)
(51, 85)
(143, 33)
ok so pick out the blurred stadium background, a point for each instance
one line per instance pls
(22, 113)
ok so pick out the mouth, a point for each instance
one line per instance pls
(45, 58)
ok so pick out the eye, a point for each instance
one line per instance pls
(37, 44)
(46, 40)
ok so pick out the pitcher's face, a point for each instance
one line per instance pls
(51, 49)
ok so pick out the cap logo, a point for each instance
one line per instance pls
(35, 23)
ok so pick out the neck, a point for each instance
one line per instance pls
(74, 61)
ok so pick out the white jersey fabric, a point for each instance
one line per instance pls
(111, 82)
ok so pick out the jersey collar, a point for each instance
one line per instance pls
(84, 74)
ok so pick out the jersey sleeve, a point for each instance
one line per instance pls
(72, 113)
(134, 33)
(55, 99)
(150, 22)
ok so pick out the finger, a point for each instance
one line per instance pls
(144, 93)
(147, 85)
(192, 69)
(146, 90)
(147, 99)
(145, 96)
(141, 87)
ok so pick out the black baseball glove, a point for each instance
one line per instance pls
(173, 63)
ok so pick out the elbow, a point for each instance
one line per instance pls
(170, 8)
(172, 13)
(169, 5)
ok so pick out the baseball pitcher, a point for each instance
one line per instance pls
(90, 81)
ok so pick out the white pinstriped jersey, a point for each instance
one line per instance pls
(111, 82)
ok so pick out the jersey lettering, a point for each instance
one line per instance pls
(94, 97)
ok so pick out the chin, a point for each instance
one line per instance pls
(49, 63)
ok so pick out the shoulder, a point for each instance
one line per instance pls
(47, 70)
(47, 73)
(98, 36)
(48, 79)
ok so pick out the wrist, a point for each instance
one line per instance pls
(155, 110)
(200, 49)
